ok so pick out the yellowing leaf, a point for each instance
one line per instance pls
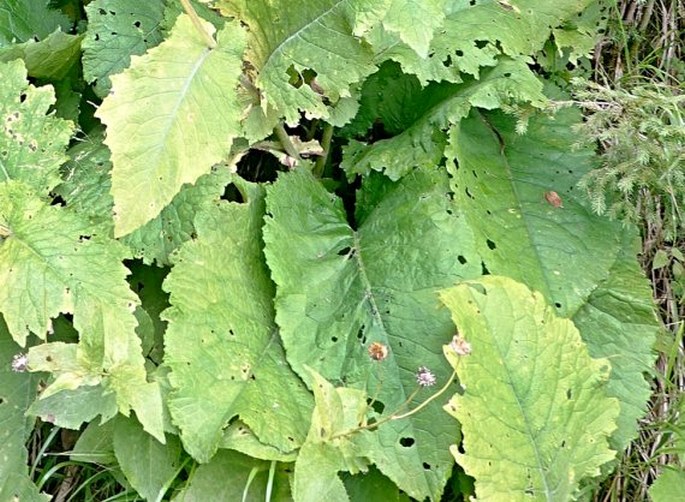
(51, 263)
(534, 411)
(171, 116)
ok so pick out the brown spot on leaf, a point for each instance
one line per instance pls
(553, 198)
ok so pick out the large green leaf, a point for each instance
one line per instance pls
(17, 390)
(117, 30)
(86, 188)
(51, 58)
(288, 37)
(618, 322)
(32, 142)
(415, 21)
(475, 34)
(147, 464)
(50, 263)
(332, 445)
(339, 290)
(534, 411)
(21, 20)
(222, 344)
(420, 115)
(232, 476)
(504, 183)
(190, 117)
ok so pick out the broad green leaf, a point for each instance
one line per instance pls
(476, 34)
(86, 181)
(339, 290)
(332, 444)
(221, 344)
(415, 21)
(239, 437)
(419, 116)
(50, 263)
(21, 20)
(117, 30)
(519, 196)
(147, 464)
(50, 58)
(190, 117)
(70, 409)
(373, 486)
(160, 237)
(86, 189)
(32, 142)
(95, 444)
(618, 322)
(231, 476)
(288, 38)
(17, 391)
(669, 486)
(534, 411)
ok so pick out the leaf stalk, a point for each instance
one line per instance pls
(197, 22)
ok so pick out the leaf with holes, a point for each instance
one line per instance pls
(17, 391)
(290, 44)
(534, 412)
(339, 290)
(188, 123)
(22, 20)
(117, 30)
(418, 116)
(501, 181)
(618, 321)
(32, 141)
(222, 344)
(50, 263)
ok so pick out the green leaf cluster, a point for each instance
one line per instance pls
(268, 228)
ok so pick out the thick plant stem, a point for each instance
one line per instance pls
(326, 146)
(197, 22)
(287, 145)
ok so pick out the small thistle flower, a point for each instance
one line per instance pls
(378, 351)
(460, 346)
(19, 362)
(425, 377)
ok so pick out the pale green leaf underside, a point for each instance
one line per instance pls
(313, 35)
(17, 390)
(338, 290)
(32, 143)
(222, 344)
(501, 182)
(50, 264)
(117, 30)
(190, 117)
(422, 141)
(532, 367)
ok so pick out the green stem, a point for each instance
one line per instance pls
(197, 22)
(326, 145)
(425, 403)
(287, 145)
